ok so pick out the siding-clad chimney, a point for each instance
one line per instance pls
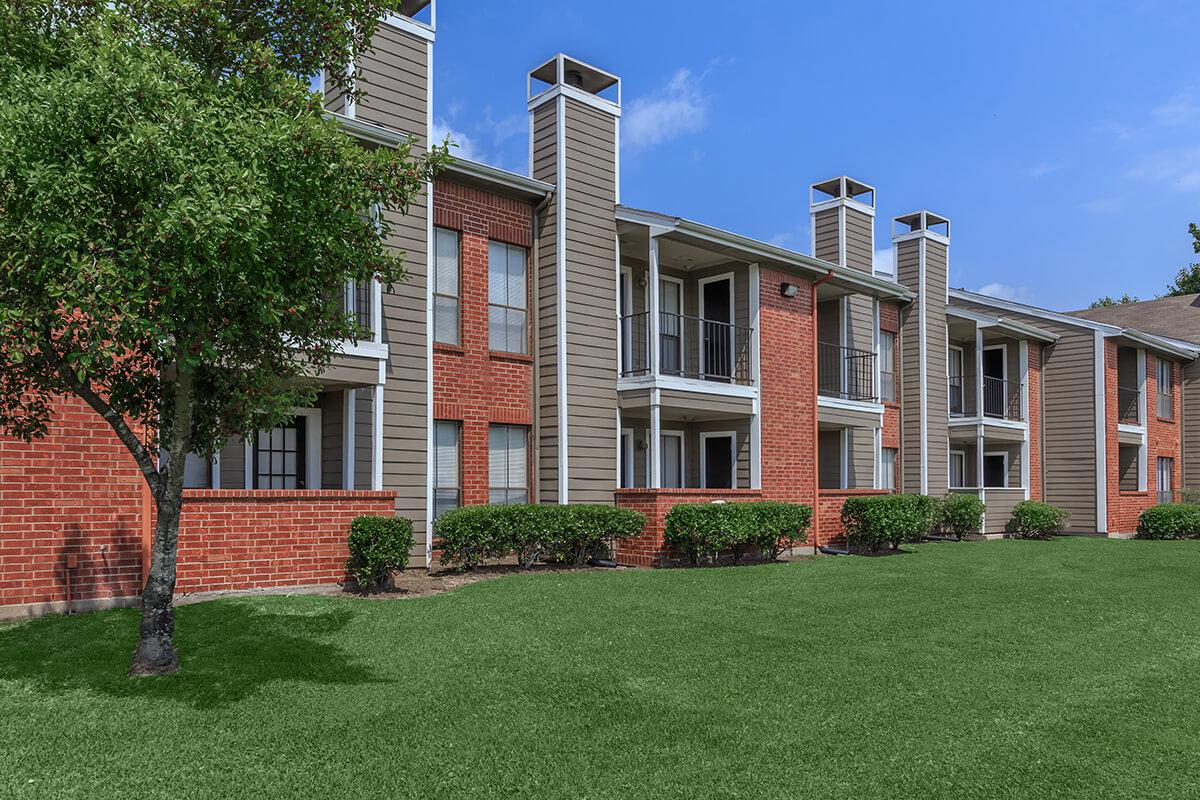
(575, 112)
(843, 222)
(922, 246)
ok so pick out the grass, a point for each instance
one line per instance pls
(1000, 669)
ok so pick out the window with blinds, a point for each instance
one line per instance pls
(1166, 400)
(446, 286)
(508, 464)
(508, 298)
(447, 480)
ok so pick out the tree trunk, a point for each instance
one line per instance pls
(155, 653)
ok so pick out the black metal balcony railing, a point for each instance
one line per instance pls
(689, 347)
(845, 372)
(1001, 398)
(1129, 402)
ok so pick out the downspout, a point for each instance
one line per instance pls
(536, 230)
(815, 425)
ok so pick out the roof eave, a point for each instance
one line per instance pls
(494, 177)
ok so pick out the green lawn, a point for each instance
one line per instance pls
(993, 669)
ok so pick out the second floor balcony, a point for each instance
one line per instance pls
(1001, 398)
(687, 347)
(847, 373)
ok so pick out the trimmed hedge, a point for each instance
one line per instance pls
(378, 547)
(962, 514)
(871, 520)
(705, 530)
(1033, 519)
(1170, 521)
(533, 533)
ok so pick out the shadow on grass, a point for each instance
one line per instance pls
(228, 650)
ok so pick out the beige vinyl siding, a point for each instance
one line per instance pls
(332, 412)
(591, 303)
(692, 452)
(907, 273)
(860, 251)
(860, 473)
(1000, 504)
(825, 240)
(1068, 418)
(937, 388)
(1191, 426)
(829, 459)
(233, 464)
(545, 168)
(829, 322)
(970, 453)
(393, 75)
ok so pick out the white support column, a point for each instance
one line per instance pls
(1026, 450)
(1143, 465)
(844, 441)
(377, 311)
(654, 309)
(755, 377)
(978, 373)
(1141, 385)
(248, 449)
(878, 457)
(655, 443)
(377, 438)
(875, 376)
(844, 342)
(214, 471)
(348, 438)
(979, 447)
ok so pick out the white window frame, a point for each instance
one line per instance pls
(950, 469)
(1170, 367)
(704, 437)
(991, 454)
(892, 364)
(458, 297)
(962, 367)
(662, 434)
(526, 309)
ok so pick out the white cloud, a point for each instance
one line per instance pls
(679, 108)
(1044, 168)
(1180, 110)
(884, 260)
(1104, 205)
(1005, 292)
(782, 239)
(1177, 169)
(466, 148)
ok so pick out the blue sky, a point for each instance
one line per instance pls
(1062, 139)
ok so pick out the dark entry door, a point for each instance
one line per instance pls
(718, 462)
(995, 390)
(718, 332)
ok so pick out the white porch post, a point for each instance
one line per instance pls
(756, 419)
(377, 438)
(655, 443)
(653, 327)
(348, 438)
(1026, 452)
(979, 444)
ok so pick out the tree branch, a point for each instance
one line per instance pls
(128, 438)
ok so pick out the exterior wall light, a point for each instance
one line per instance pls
(789, 290)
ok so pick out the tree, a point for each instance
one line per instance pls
(1187, 281)
(178, 223)
(1108, 302)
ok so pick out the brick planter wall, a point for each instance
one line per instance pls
(233, 539)
(829, 511)
(648, 549)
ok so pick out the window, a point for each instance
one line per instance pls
(447, 483)
(508, 299)
(672, 459)
(958, 469)
(1166, 479)
(445, 286)
(1166, 389)
(995, 470)
(279, 456)
(887, 366)
(508, 464)
(887, 477)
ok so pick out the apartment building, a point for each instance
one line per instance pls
(554, 344)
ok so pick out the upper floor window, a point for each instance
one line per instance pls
(445, 286)
(1166, 389)
(508, 298)
(887, 366)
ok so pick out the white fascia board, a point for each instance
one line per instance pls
(363, 349)
(838, 202)
(858, 406)
(554, 92)
(1032, 311)
(409, 25)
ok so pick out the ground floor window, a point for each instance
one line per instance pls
(671, 444)
(508, 464)
(1166, 479)
(887, 464)
(958, 469)
(279, 456)
(447, 483)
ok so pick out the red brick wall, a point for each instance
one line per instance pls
(889, 320)
(234, 539)
(829, 512)
(787, 389)
(76, 492)
(648, 549)
(1162, 440)
(1035, 421)
(472, 384)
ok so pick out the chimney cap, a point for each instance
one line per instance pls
(842, 187)
(592, 80)
(410, 8)
(921, 221)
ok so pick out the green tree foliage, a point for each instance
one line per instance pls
(179, 220)
(1107, 302)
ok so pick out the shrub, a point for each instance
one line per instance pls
(705, 530)
(1190, 495)
(1170, 521)
(962, 514)
(533, 533)
(1032, 519)
(871, 520)
(378, 547)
